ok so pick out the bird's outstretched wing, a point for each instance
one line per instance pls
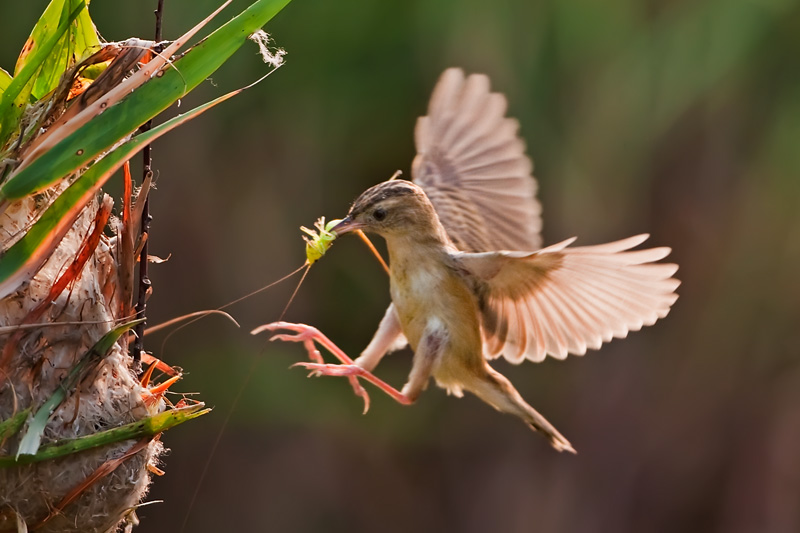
(563, 300)
(473, 167)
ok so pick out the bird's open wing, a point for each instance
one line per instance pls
(563, 300)
(473, 167)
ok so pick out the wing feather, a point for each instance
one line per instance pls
(561, 300)
(558, 300)
(473, 167)
(494, 108)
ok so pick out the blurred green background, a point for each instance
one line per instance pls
(677, 118)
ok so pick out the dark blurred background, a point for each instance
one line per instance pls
(678, 118)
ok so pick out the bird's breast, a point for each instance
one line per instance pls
(423, 290)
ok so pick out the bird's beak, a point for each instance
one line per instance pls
(345, 226)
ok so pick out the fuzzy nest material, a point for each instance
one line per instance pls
(109, 396)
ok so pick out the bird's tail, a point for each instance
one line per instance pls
(494, 389)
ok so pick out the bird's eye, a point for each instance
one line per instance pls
(379, 214)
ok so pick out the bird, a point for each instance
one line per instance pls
(469, 278)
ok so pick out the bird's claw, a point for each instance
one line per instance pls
(360, 391)
(304, 331)
(349, 371)
(325, 369)
(308, 335)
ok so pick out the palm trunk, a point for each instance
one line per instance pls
(66, 125)
(110, 396)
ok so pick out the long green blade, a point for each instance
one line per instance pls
(69, 49)
(106, 129)
(27, 255)
(135, 430)
(10, 426)
(5, 80)
(18, 93)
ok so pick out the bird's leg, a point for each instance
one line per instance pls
(307, 335)
(429, 350)
(352, 371)
(385, 340)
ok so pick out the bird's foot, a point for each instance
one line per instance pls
(352, 371)
(308, 335)
(305, 334)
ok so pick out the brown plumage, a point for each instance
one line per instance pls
(473, 167)
(458, 301)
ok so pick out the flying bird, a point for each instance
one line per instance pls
(470, 280)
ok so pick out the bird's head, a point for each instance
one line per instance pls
(392, 208)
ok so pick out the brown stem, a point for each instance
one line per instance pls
(147, 171)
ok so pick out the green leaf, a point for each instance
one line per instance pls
(69, 49)
(24, 258)
(17, 94)
(85, 144)
(32, 436)
(44, 29)
(143, 428)
(5, 79)
(12, 425)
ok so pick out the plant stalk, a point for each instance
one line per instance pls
(147, 171)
